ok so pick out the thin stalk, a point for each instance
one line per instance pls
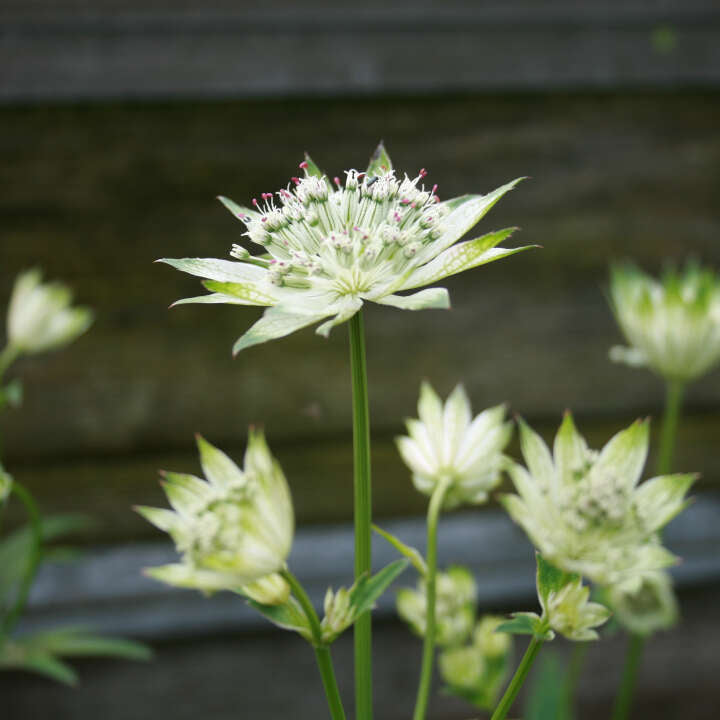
(322, 651)
(28, 577)
(363, 512)
(624, 700)
(518, 679)
(428, 656)
(671, 416)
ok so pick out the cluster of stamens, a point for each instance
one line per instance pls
(352, 235)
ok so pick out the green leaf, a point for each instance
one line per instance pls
(71, 642)
(368, 589)
(238, 211)
(380, 163)
(522, 623)
(311, 168)
(12, 394)
(550, 579)
(411, 553)
(16, 548)
(46, 665)
(288, 616)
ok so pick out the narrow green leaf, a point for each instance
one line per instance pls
(369, 589)
(410, 553)
(380, 163)
(70, 642)
(48, 666)
(548, 698)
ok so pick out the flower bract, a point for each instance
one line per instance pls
(328, 246)
(233, 530)
(672, 324)
(586, 512)
(447, 445)
(40, 315)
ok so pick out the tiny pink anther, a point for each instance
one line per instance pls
(296, 180)
(255, 202)
(423, 172)
(303, 165)
(336, 179)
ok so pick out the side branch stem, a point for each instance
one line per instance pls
(322, 651)
(518, 679)
(428, 656)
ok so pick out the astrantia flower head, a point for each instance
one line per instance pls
(454, 606)
(447, 445)
(584, 510)
(40, 316)
(672, 325)
(329, 246)
(234, 530)
(646, 609)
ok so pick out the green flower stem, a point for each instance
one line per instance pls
(518, 679)
(624, 700)
(363, 512)
(322, 651)
(426, 668)
(31, 508)
(671, 416)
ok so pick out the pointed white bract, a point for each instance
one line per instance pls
(234, 529)
(328, 247)
(586, 512)
(672, 324)
(447, 445)
(456, 595)
(40, 315)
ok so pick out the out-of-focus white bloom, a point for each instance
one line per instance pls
(570, 613)
(584, 510)
(485, 636)
(647, 609)
(40, 316)
(477, 672)
(329, 247)
(456, 595)
(447, 445)
(672, 325)
(234, 530)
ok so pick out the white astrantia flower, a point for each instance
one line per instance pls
(585, 511)
(447, 445)
(456, 595)
(234, 530)
(647, 609)
(566, 607)
(672, 324)
(331, 246)
(40, 316)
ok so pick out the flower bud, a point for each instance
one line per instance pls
(446, 444)
(646, 609)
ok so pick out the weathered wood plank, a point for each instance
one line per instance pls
(79, 50)
(319, 471)
(95, 194)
